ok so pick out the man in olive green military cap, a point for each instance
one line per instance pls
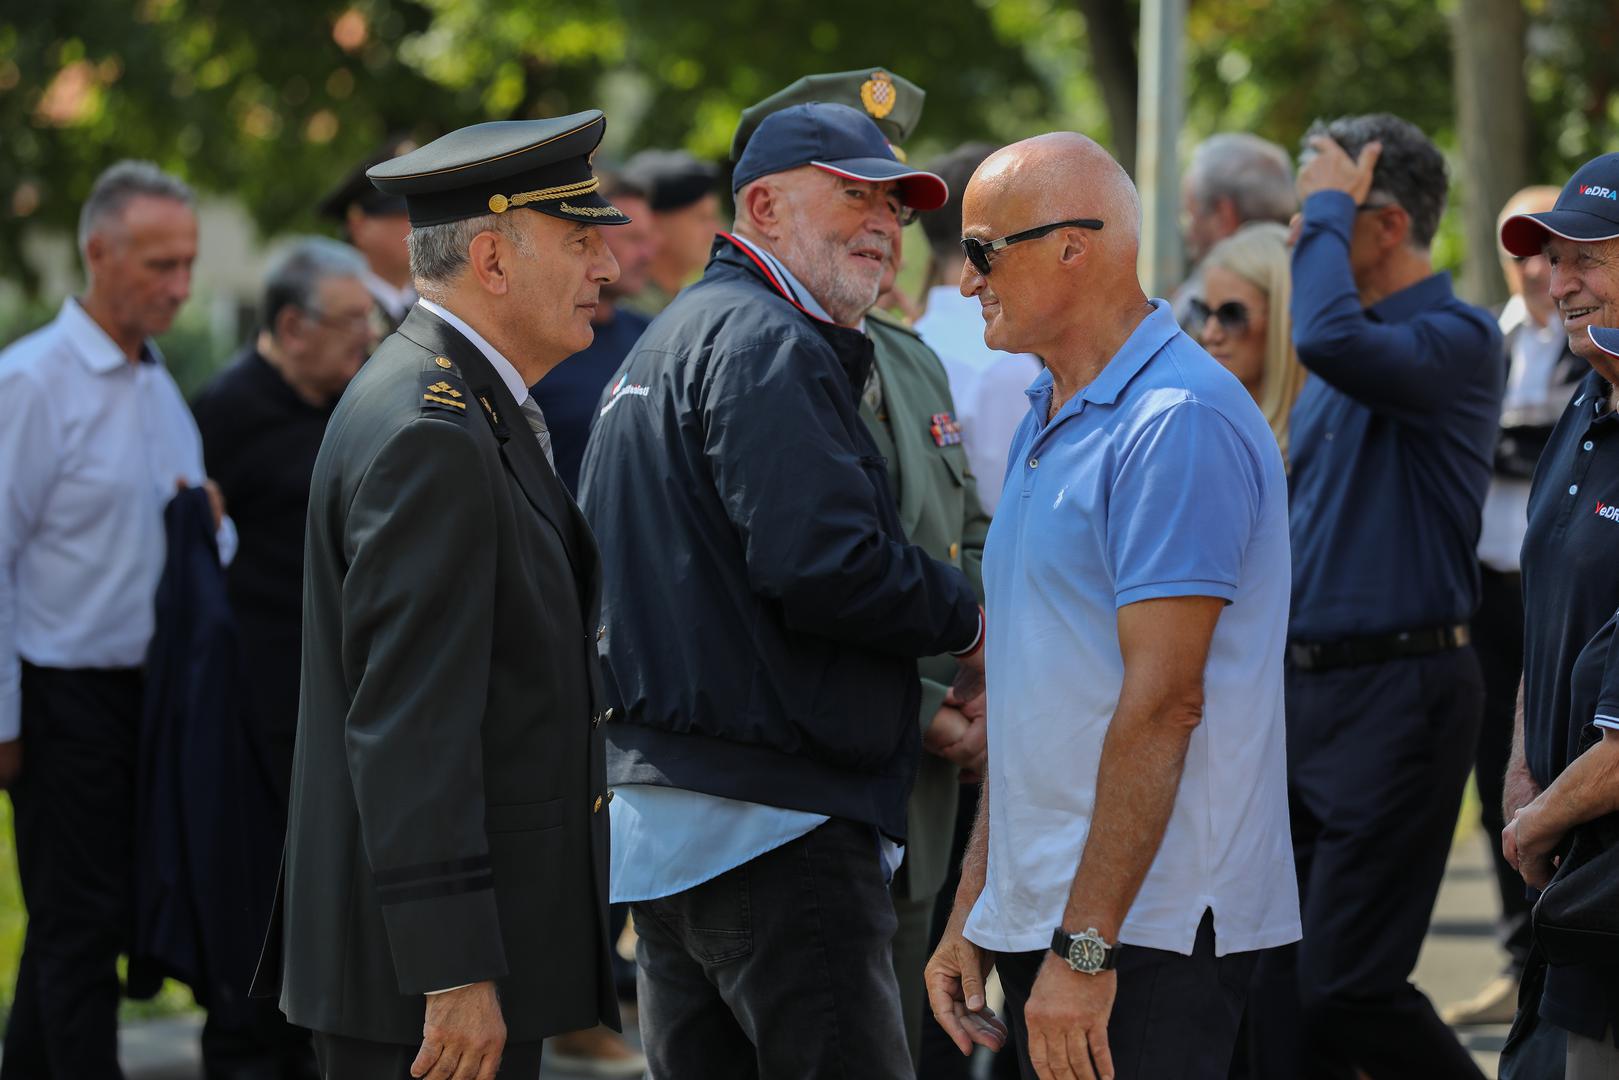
(908, 409)
(443, 902)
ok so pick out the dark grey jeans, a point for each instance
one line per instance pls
(780, 968)
(1175, 1017)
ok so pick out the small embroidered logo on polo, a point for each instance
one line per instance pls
(1606, 511)
(1060, 495)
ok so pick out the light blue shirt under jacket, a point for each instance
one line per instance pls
(667, 840)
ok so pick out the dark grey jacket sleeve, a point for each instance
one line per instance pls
(416, 644)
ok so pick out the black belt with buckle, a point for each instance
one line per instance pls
(1350, 652)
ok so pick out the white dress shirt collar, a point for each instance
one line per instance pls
(94, 347)
(503, 367)
(395, 298)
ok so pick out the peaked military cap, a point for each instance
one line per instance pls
(504, 165)
(893, 103)
(671, 178)
(356, 190)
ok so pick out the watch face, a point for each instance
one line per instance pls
(1086, 953)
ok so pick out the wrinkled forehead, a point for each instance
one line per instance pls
(1603, 251)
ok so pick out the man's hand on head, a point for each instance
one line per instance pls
(1332, 169)
(463, 1035)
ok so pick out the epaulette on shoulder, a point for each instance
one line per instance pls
(444, 389)
(879, 316)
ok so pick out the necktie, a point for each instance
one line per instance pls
(536, 423)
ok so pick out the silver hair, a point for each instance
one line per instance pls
(1256, 175)
(295, 274)
(120, 183)
(438, 253)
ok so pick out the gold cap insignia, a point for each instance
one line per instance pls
(498, 204)
(878, 94)
(442, 361)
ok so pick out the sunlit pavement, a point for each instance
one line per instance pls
(1459, 957)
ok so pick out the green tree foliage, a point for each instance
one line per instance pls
(271, 103)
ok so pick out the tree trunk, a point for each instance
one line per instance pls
(1492, 126)
(1110, 35)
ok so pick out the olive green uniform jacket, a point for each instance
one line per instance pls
(448, 821)
(938, 505)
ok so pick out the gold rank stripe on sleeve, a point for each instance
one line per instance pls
(437, 400)
(499, 204)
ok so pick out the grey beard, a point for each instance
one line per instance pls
(815, 262)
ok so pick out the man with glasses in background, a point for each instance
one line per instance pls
(262, 420)
(1392, 440)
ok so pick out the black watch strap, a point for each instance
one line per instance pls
(1062, 941)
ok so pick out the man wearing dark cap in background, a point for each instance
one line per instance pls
(376, 224)
(1570, 590)
(443, 898)
(685, 215)
(907, 408)
(571, 392)
(765, 667)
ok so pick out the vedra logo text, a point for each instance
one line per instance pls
(1606, 511)
(1599, 192)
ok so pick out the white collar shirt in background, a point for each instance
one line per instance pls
(1531, 365)
(987, 384)
(92, 449)
(394, 299)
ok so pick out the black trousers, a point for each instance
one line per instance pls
(1498, 639)
(343, 1058)
(1175, 1017)
(74, 812)
(1377, 758)
(780, 968)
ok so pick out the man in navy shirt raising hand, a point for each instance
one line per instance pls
(1392, 443)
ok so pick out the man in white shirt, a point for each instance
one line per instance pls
(96, 442)
(987, 384)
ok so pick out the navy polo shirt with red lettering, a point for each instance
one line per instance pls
(1570, 590)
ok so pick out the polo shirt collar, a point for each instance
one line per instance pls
(1414, 300)
(503, 367)
(1152, 334)
(95, 349)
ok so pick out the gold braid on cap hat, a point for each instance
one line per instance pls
(498, 204)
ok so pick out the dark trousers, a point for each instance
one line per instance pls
(1175, 1017)
(1377, 758)
(343, 1058)
(1498, 639)
(778, 969)
(74, 811)
(252, 1040)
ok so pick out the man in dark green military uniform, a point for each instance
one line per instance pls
(444, 890)
(908, 409)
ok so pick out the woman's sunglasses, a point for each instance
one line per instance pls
(1231, 315)
(978, 250)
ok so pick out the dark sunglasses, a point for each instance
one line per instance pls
(978, 250)
(1231, 315)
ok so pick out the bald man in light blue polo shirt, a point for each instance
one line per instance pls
(1135, 856)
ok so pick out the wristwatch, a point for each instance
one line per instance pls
(1086, 953)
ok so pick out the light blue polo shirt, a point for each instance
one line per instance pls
(1159, 479)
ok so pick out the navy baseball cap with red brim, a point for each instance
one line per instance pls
(840, 140)
(1587, 210)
